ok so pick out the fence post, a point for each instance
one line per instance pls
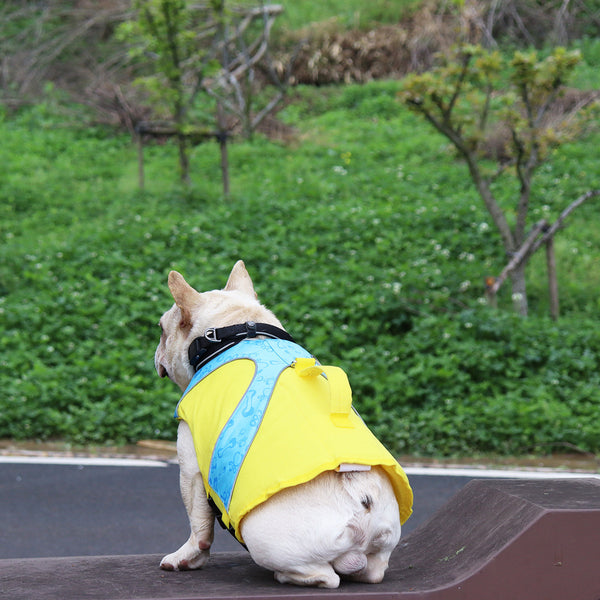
(222, 138)
(140, 146)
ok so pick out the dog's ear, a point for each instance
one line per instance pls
(240, 281)
(185, 296)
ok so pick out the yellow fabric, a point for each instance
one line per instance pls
(309, 427)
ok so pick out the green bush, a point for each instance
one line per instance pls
(485, 380)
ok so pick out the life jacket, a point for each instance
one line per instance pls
(266, 416)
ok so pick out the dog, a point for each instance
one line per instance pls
(308, 524)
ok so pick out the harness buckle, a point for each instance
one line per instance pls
(211, 335)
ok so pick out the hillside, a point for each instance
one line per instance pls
(361, 231)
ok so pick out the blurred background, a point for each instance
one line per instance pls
(376, 165)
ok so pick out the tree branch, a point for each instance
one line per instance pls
(267, 109)
(535, 240)
(482, 185)
(563, 215)
(466, 60)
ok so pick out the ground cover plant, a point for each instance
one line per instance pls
(364, 236)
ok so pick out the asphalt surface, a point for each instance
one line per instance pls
(82, 510)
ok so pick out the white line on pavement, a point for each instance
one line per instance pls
(498, 473)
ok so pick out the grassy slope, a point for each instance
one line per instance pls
(365, 237)
(346, 14)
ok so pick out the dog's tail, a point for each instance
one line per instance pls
(374, 530)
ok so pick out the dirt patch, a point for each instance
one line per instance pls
(144, 449)
(388, 51)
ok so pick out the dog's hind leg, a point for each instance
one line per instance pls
(195, 552)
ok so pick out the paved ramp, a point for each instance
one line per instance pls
(507, 540)
(494, 540)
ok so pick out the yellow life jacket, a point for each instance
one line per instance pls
(265, 416)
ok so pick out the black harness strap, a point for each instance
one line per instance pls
(219, 516)
(214, 341)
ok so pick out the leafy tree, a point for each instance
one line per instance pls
(174, 34)
(476, 96)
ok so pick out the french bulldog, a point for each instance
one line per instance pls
(343, 519)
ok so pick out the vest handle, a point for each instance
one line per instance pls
(340, 403)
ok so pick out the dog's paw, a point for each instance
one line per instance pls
(187, 558)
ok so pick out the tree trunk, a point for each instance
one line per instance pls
(552, 280)
(519, 290)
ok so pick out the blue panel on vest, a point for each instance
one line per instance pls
(271, 357)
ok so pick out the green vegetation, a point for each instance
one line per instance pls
(346, 14)
(364, 234)
(365, 237)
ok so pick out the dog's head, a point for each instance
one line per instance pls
(194, 312)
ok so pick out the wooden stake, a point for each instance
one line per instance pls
(140, 146)
(222, 137)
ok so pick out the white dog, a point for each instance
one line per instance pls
(307, 524)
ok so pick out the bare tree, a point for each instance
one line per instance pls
(35, 35)
(200, 51)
